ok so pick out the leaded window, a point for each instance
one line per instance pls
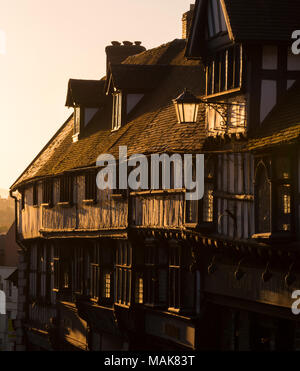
(123, 273)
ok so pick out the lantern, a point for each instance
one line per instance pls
(186, 106)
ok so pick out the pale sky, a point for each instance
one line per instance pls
(43, 43)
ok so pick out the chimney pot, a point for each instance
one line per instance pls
(115, 43)
(138, 43)
(127, 43)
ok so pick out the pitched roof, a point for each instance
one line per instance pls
(282, 125)
(249, 21)
(171, 53)
(87, 93)
(263, 20)
(151, 127)
(136, 77)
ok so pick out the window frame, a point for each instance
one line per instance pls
(154, 265)
(90, 186)
(199, 205)
(117, 110)
(224, 70)
(66, 189)
(275, 183)
(101, 266)
(123, 295)
(47, 186)
(175, 286)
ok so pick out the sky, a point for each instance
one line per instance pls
(44, 43)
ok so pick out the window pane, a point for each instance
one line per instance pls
(284, 209)
(208, 203)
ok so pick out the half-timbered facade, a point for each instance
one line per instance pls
(146, 268)
(250, 263)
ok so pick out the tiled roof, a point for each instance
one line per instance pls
(151, 127)
(282, 125)
(137, 77)
(171, 53)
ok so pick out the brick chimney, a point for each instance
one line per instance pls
(117, 52)
(187, 22)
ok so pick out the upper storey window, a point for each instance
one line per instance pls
(216, 21)
(224, 71)
(274, 197)
(117, 111)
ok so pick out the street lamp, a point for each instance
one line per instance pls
(186, 106)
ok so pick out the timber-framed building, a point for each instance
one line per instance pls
(147, 269)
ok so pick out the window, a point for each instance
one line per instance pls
(139, 289)
(174, 277)
(284, 209)
(208, 203)
(191, 211)
(62, 268)
(117, 111)
(90, 186)
(155, 276)
(39, 275)
(224, 72)
(208, 198)
(237, 115)
(263, 194)
(95, 273)
(66, 188)
(48, 192)
(55, 268)
(107, 286)
(35, 194)
(284, 193)
(202, 211)
(101, 274)
(276, 195)
(123, 273)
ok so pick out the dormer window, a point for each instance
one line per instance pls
(224, 71)
(117, 111)
(85, 97)
(82, 116)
